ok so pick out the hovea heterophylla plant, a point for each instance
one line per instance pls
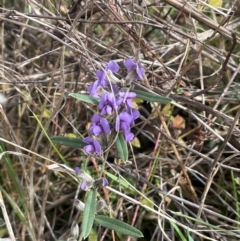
(113, 122)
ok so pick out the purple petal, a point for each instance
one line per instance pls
(127, 94)
(89, 149)
(111, 98)
(125, 126)
(113, 66)
(129, 103)
(96, 118)
(126, 117)
(100, 75)
(93, 145)
(105, 125)
(135, 114)
(87, 140)
(115, 89)
(128, 136)
(109, 110)
(95, 130)
(140, 72)
(130, 64)
(105, 182)
(133, 66)
(77, 170)
(92, 89)
(83, 185)
(107, 103)
(102, 101)
(97, 147)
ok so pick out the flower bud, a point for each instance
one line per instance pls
(79, 205)
(101, 182)
(75, 230)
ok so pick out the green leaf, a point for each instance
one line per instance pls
(118, 180)
(89, 213)
(121, 146)
(68, 141)
(189, 237)
(151, 97)
(85, 98)
(14, 178)
(16, 209)
(178, 231)
(118, 226)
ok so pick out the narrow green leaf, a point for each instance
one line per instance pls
(122, 148)
(151, 97)
(14, 177)
(68, 141)
(16, 209)
(118, 226)
(189, 236)
(178, 231)
(119, 180)
(85, 98)
(89, 213)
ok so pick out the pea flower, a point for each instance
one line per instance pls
(128, 136)
(134, 69)
(134, 114)
(99, 125)
(123, 122)
(126, 98)
(107, 104)
(92, 145)
(112, 67)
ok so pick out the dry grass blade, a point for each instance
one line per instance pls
(184, 161)
(6, 218)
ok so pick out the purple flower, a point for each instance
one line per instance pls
(92, 145)
(115, 89)
(133, 67)
(123, 121)
(107, 104)
(126, 98)
(101, 74)
(99, 125)
(113, 67)
(134, 113)
(128, 136)
(101, 78)
(93, 89)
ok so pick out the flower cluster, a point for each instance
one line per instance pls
(115, 104)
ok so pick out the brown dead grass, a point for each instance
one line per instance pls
(190, 52)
